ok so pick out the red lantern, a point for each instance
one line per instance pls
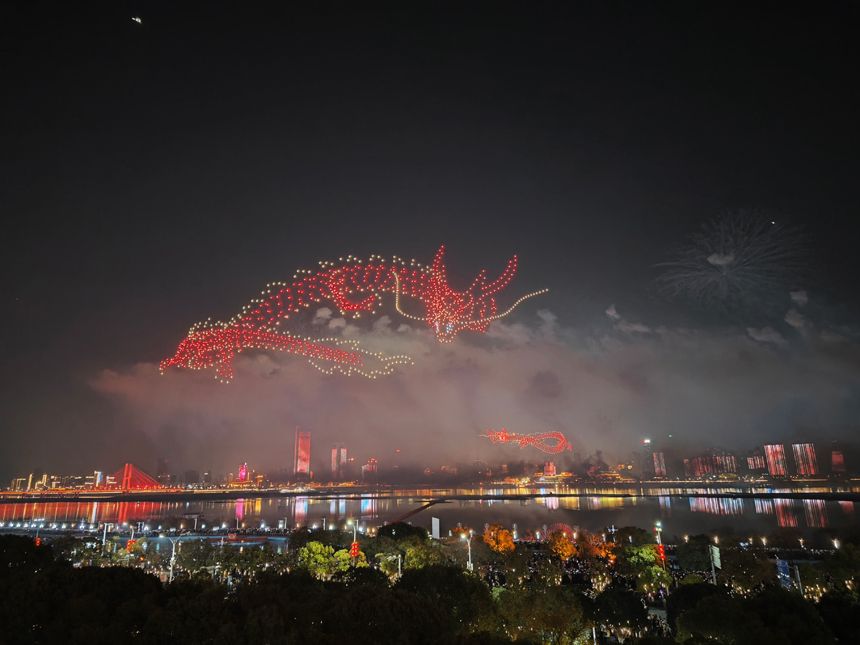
(353, 550)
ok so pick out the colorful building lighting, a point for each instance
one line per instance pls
(804, 458)
(775, 456)
(302, 455)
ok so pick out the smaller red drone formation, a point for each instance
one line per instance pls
(548, 442)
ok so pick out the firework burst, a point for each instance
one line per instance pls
(740, 263)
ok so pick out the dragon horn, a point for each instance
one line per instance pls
(438, 266)
(503, 280)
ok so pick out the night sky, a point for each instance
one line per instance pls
(158, 173)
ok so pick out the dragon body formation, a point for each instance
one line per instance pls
(354, 286)
(548, 442)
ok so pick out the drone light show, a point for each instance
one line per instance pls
(355, 286)
(549, 442)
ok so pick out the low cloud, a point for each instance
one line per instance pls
(800, 298)
(604, 387)
(626, 326)
(766, 335)
(796, 319)
(322, 316)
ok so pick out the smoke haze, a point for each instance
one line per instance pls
(605, 388)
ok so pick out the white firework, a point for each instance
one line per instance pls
(739, 263)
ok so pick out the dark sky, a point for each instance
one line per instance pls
(158, 173)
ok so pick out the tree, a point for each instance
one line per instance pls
(402, 531)
(343, 562)
(774, 616)
(561, 545)
(362, 576)
(841, 613)
(463, 597)
(693, 554)
(746, 571)
(423, 554)
(318, 559)
(843, 567)
(621, 612)
(633, 535)
(552, 615)
(19, 552)
(499, 539)
(688, 596)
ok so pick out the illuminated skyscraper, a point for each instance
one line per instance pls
(659, 464)
(775, 455)
(725, 463)
(338, 462)
(804, 458)
(697, 467)
(243, 473)
(370, 469)
(837, 461)
(302, 456)
(756, 462)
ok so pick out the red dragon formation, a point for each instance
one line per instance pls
(354, 286)
(549, 442)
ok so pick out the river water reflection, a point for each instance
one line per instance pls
(680, 514)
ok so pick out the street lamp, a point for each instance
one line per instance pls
(835, 543)
(468, 539)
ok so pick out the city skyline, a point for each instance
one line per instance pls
(656, 463)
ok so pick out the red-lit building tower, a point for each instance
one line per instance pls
(302, 455)
(804, 458)
(774, 454)
(837, 462)
(659, 460)
(243, 473)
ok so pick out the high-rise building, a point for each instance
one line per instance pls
(775, 455)
(659, 464)
(338, 462)
(804, 458)
(699, 466)
(725, 463)
(837, 461)
(370, 469)
(243, 473)
(756, 462)
(302, 456)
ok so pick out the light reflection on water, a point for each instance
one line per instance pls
(680, 514)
